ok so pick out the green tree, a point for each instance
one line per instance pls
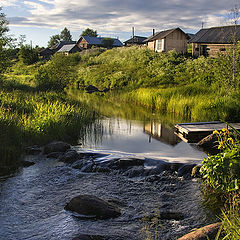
(65, 35)
(108, 42)
(54, 40)
(28, 55)
(89, 32)
(4, 41)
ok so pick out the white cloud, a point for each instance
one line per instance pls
(7, 3)
(115, 15)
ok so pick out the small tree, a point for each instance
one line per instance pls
(108, 42)
(54, 40)
(27, 55)
(65, 35)
(89, 32)
(4, 42)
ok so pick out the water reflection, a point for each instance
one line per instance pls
(124, 136)
(161, 133)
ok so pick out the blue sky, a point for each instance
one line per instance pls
(40, 19)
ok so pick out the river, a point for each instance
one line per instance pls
(32, 200)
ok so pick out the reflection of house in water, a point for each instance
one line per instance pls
(161, 133)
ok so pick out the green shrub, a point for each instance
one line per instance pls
(57, 73)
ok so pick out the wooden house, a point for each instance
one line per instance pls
(136, 40)
(88, 42)
(215, 40)
(48, 52)
(68, 49)
(165, 41)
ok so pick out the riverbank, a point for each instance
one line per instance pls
(155, 202)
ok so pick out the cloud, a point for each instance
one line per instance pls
(117, 16)
(7, 3)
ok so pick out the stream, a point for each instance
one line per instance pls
(33, 199)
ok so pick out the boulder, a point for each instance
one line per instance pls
(54, 155)
(33, 150)
(27, 163)
(196, 172)
(208, 232)
(185, 169)
(209, 142)
(91, 89)
(93, 207)
(70, 156)
(129, 162)
(56, 146)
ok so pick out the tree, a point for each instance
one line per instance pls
(28, 55)
(4, 41)
(54, 40)
(65, 35)
(108, 42)
(89, 32)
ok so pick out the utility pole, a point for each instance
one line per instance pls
(133, 35)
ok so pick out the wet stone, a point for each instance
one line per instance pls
(33, 150)
(54, 155)
(70, 156)
(27, 163)
(94, 207)
(89, 237)
(186, 169)
(56, 146)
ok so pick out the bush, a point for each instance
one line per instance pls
(28, 55)
(58, 72)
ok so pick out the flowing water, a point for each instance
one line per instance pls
(32, 201)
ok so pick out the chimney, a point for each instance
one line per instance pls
(153, 32)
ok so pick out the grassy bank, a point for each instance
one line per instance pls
(29, 116)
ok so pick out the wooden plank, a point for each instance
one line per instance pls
(194, 132)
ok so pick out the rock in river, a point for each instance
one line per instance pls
(93, 207)
(56, 146)
(70, 156)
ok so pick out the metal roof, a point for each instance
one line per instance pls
(224, 34)
(98, 41)
(67, 48)
(62, 43)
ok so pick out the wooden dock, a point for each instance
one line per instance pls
(194, 132)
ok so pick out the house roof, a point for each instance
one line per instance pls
(57, 46)
(222, 34)
(163, 34)
(136, 39)
(67, 48)
(99, 41)
(46, 52)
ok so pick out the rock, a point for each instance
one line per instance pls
(129, 162)
(93, 207)
(54, 155)
(169, 215)
(27, 163)
(209, 143)
(91, 89)
(186, 169)
(33, 150)
(56, 146)
(135, 171)
(89, 237)
(196, 172)
(69, 157)
(208, 232)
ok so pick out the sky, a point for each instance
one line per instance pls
(40, 19)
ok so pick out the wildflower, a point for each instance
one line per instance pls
(230, 140)
(215, 132)
(224, 130)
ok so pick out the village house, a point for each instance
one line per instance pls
(48, 52)
(88, 42)
(212, 41)
(68, 49)
(135, 40)
(165, 41)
